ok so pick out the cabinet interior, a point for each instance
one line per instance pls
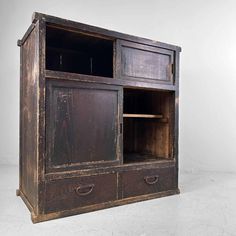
(147, 120)
(75, 52)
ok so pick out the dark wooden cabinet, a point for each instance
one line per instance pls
(98, 118)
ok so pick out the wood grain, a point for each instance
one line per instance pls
(29, 116)
(98, 118)
(62, 194)
(144, 63)
(141, 182)
(82, 124)
(142, 116)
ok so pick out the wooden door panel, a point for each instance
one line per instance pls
(82, 123)
(145, 63)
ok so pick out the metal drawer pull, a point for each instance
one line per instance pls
(151, 179)
(79, 189)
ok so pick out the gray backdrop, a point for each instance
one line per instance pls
(205, 30)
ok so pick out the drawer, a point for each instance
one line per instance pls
(145, 63)
(141, 182)
(71, 193)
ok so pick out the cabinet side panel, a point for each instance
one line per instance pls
(29, 116)
(176, 114)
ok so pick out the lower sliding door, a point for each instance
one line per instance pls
(82, 125)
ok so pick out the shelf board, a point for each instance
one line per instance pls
(143, 116)
(140, 157)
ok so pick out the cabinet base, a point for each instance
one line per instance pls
(50, 216)
(19, 193)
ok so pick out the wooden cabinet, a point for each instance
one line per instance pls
(98, 118)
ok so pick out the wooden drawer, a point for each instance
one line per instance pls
(77, 192)
(145, 63)
(141, 182)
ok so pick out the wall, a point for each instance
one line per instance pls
(205, 30)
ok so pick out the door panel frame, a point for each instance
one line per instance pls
(121, 44)
(54, 83)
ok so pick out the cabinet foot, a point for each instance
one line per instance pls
(17, 192)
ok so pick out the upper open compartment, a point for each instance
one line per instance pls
(76, 52)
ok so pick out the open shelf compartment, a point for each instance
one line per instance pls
(148, 125)
(76, 52)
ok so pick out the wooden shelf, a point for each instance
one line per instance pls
(143, 116)
(141, 157)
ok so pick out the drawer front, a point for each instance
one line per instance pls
(145, 63)
(71, 193)
(141, 182)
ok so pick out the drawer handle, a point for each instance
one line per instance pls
(79, 189)
(151, 179)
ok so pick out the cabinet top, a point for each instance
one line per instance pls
(99, 31)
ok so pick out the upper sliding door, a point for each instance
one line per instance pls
(144, 63)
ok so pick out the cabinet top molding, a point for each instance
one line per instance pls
(94, 30)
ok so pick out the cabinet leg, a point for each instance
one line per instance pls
(17, 192)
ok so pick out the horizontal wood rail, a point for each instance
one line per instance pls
(142, 116)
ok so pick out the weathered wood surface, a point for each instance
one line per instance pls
(78, 53)
(148, 116)
(148, 136)
(72, 25)
(161, 163)
(29, 116)
(95, 207)
(144, 63)
(141, 182)
(103, 80)
(77, 192)
(82, 124)
(75, 151)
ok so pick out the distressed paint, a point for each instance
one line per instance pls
(62, 184)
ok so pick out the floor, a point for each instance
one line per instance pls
(206, 206)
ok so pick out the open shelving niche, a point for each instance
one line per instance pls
(147, 125)
(76, 52)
